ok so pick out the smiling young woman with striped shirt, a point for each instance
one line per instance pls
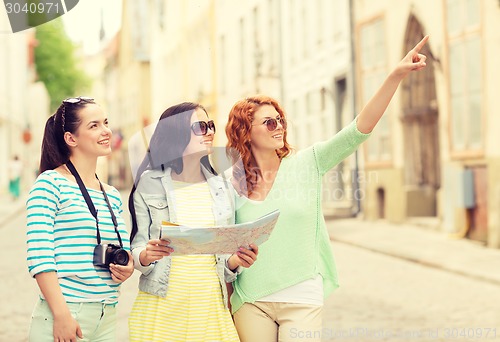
(78, 295)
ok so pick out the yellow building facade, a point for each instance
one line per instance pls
(434, 154)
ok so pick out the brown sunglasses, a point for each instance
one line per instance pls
(272, 123)
(201, 127)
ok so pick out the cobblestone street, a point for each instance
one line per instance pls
(19, 292)
(381, 298)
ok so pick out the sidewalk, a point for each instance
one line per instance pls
(418, 244)
(10, 208)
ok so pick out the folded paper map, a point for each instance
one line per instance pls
(218, 239)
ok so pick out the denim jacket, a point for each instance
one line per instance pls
(154, 202)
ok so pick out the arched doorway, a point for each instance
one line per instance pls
(421, 131)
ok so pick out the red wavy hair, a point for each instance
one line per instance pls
(238, 130)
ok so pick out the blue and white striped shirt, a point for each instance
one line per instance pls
(62, 235)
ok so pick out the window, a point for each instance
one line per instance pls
(373, 72)
(320, 12)
(305, 35)
(308, 111)
(242, 51)
(273, 48)
(160, 5)
(465, 74)
(293, 32)
(257, 48)
(223, 65)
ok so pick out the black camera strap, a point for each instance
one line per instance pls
(90, 204)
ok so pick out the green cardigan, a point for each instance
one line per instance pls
(299, 247)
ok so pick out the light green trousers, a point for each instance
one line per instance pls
(97, 321)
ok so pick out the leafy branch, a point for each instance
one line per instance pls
(56, 64)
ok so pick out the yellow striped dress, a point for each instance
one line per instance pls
(193, 309)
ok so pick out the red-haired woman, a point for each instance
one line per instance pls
(282, 293)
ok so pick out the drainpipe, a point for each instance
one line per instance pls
(281, 61)
(355, 181)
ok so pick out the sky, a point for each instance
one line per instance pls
(83, 22)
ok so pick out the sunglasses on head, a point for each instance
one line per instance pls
(272, 123)
(201, 127)
(71, 100)
(74, 100)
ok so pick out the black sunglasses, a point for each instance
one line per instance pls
(73, 100)
(272, 123)
(201, 127)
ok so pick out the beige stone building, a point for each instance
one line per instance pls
(126, 87)
(183, 54)
(293, 51)
(24, 104)
(432, 158)
(435, 152)
(163, 61)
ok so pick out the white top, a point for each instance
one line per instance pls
(307, 292)
(15, 168)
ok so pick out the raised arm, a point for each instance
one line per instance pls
(376, 106)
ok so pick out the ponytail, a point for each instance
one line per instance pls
(54, 152)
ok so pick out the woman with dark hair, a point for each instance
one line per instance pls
(184, 297)
(77, 241)
(282, 293)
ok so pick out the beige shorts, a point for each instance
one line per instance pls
(270, 321)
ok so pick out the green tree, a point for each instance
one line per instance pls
(56, 64)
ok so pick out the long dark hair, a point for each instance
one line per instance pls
(55, 151)
(168, 142)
